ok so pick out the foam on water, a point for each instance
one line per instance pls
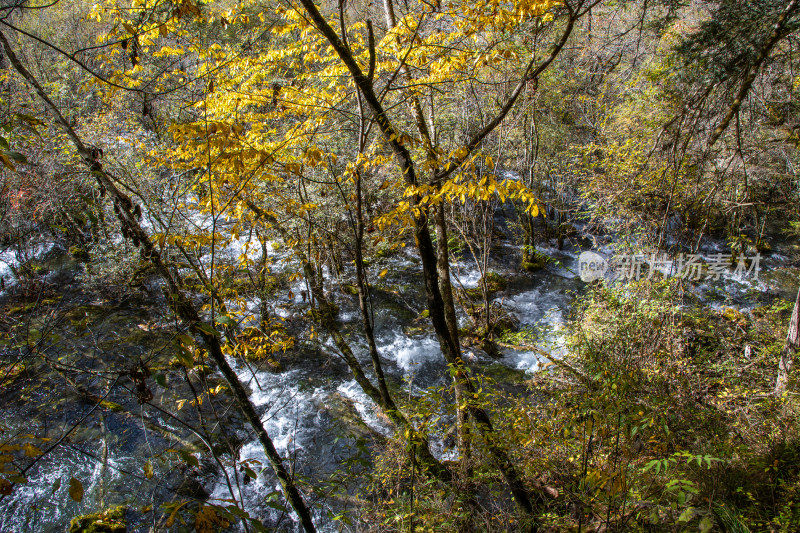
(366, 408)
(466, 275)
(7, 260)
(293, 421)
(39, 506)
(551, 341)
(531, 306)
(410, 353)
(10, 260)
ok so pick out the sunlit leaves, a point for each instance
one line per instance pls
(463, 188)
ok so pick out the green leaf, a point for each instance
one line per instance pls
(33, 121)
(226, 320)
(186, 340)
(207, 329)
(233, 509)
(18, 157)
(686, 515)
(184, 357)
(189, 459)
(275, 505)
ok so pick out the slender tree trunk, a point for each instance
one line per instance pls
(528, 238)
(363, 297)
(462, 414)
(442, 261)
(180, 303)
(789, 351)
(443, 269)
(326, 315)
(496, 449)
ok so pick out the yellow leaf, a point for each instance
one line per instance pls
(32, 451)
(75, 490)
(7, 162)
(383, 273)
(171, 519)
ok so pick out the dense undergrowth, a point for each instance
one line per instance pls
(663, 418)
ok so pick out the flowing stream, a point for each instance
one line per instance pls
(314, 411)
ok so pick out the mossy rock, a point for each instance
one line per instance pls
(348, 288)
(505, 324)
(109, 521)
(330, 313)
(502, 373)
(24, 308)
(784, 281)
(30, 306)
(567, 230)
(474, 293)
(419, 326)
(734, 315)
(494, 281)
(490, 347)
(343, 410)
(79, 253)
(415, 331)
(537, 262)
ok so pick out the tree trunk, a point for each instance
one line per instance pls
(528, 238)
(462, 414)
(448, 344)
(180, 304)
(792, 343)
(326, 316)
